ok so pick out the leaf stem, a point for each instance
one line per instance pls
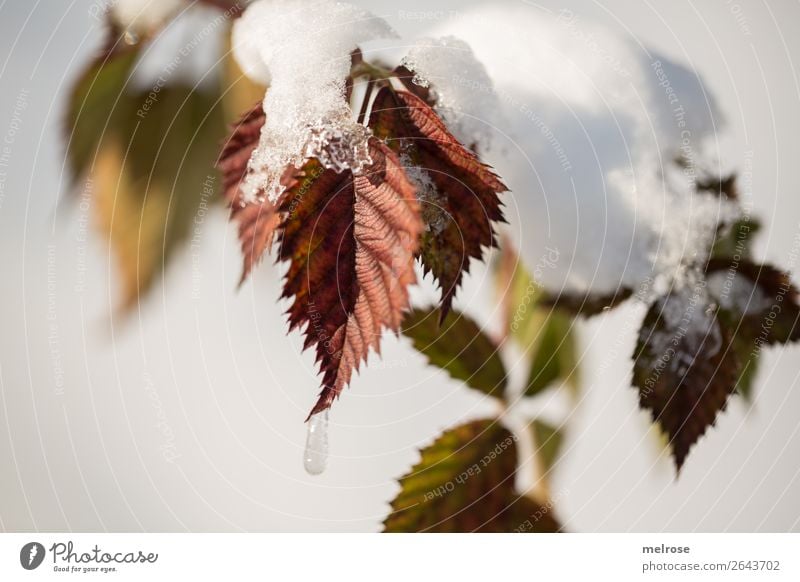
(362, 114)
(374, 72)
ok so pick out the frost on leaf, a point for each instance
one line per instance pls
(459, 199)
(257, 220)
(761, 299)
(683, 367)
(453, 78)
(350, 242)
(759, 305)
(465, 483)
(302, 49)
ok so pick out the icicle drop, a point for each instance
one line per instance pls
(131, 38)
(315, 457)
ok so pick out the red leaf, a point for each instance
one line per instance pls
(237, 151)
(257, 220)
(458, 192)
(350, 241)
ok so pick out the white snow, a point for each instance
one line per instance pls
(303, 49)
(584, 126)
(595, 124)
(688, 329)
(143, 15)
(737, 293)
(464, 92)
(432, 201)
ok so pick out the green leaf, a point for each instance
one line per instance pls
(148, 156)
(465, 483)
(519, 294)
(94, 100)
(555, 354)
(547, 442)
(458, 346)
(735, 239)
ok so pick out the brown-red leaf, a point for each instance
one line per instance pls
(684, 367)
(350, 243)
(458, 193)
(257, 220)
(761, 301)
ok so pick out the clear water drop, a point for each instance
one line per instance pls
(131, 38)
(315, 457)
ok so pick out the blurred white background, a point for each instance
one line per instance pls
(188, 414)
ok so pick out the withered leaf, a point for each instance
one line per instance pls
(257, 220)
(758, 304)
(762, 301)
(684, 367)
(350, 243)
(458, 193)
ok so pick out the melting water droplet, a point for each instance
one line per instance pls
(131, 38)
(315, 457)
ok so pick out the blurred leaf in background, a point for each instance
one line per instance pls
(147, 151)
(546, 335)
(465, 483)
(458, 346)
